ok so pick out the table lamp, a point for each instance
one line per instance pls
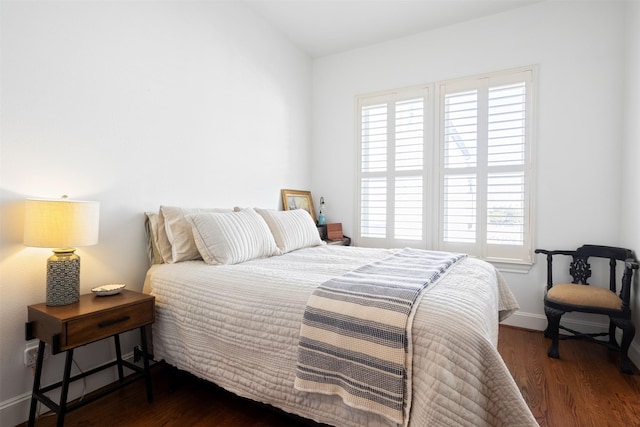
(62, 225)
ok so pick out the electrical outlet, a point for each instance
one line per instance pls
(31, 353)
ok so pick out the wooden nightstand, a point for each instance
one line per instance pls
(91, 319)
(324, 235)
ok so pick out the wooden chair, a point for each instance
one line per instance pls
(581, 297)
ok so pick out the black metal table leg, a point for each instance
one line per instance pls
(65, 388)
(145, 361)
(36, 384)
(119, 358)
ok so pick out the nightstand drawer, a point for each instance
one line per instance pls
(107, 323)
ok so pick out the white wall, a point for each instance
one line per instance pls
(630, 203)
(135, 104)
(579, 49)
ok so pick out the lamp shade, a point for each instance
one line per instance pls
(61, 223)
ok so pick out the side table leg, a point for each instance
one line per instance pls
(36, 384)
(145, 360)
(65, 388)
(119, 357)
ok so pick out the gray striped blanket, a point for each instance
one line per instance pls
(355, 337)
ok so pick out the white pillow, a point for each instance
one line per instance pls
(292, 229)
(164, 247)
(151, 231)
(233, 237)
(175, 237)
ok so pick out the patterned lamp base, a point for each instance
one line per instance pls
(63, 277)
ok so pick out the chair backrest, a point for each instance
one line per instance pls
(580, 269)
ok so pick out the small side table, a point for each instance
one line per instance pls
(91, 319)
(344, 241)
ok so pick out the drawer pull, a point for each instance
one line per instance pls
(113, 322)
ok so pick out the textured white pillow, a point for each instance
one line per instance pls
(151, 231)
(233, 237)
(164, 247)
(175, 235)
(291, 229)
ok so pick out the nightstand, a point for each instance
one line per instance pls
(325, 231)
(91, 319)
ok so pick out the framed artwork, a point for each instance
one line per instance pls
(296, 199)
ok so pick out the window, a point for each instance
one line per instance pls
(392, 158)
(479, 168)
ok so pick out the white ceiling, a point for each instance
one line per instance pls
(324, 27)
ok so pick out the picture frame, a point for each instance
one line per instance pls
(298, 199)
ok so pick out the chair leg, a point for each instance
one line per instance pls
(547, 331)
(553, 330)
(628, 332)
(613, 343)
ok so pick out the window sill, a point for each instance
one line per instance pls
(519, 267)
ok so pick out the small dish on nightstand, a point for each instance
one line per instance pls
(110, 289)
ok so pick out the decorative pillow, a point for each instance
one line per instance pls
(151, 231)
(174, 233)
(233, 237)
(164, 247)
(291, 229)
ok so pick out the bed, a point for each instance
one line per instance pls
(237, 321)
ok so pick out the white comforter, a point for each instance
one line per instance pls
(238, 327)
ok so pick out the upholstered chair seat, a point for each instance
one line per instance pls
(584, 296)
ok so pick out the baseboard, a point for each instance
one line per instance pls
(538, 322)
(15, 410)
(535, 322)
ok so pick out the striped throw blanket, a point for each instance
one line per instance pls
(355, 337)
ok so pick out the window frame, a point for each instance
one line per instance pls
(496, 254)
(433, 169)
(394, 96)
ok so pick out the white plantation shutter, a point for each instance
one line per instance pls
(409, 134)
(460, 208)
(461, 129)
(373, 215)
(408, 208)
(470, 192)
(505, 208)
(373, 195)
(374, 138)
(409, 166)
(460, 158)
(391, 169)
(506, 152)
(485, 169)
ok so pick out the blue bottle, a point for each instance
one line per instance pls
(321, 216)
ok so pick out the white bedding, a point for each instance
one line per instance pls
(238, 326)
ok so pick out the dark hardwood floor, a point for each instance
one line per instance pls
(584, 388)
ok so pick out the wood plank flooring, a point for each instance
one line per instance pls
(584, 388)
